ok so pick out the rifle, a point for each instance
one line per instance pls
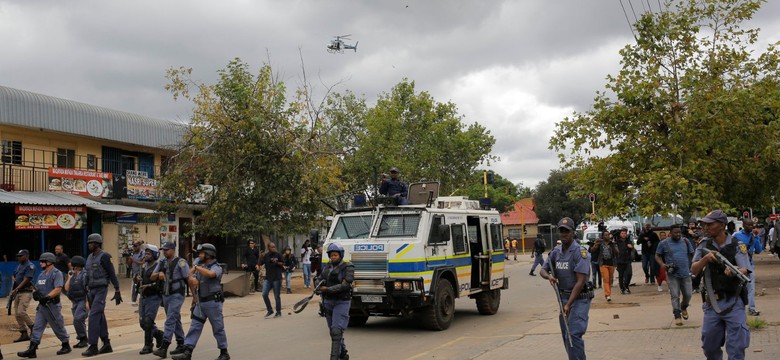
(10, 304)
(725, 262)
(560, 306)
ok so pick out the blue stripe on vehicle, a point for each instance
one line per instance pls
(419, 266)
(401, 248)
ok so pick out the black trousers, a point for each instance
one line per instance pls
(256, 277)
(624, 275)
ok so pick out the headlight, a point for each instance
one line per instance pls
(402, 285)
(397, 285)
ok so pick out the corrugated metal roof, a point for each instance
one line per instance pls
(522, 213)
(28, 109)
(43, 198)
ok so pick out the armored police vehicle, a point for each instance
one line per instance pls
(415, 260)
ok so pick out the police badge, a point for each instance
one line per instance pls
(742, 248)
(584, 253)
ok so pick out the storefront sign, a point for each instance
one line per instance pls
(127, 218)
(140, 186)
(40, 217)
(80, 182)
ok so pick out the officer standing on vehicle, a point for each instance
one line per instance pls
(337, 293)
(173, 271)
(47, 293)
(567, 268)
(151, 298)
(99, 273)
(207, 301)
(393, 187)
(77, 293)
(725, 320)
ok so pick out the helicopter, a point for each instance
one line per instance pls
(338, 46)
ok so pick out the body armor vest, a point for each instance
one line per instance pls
(98, 277)
(721, 283)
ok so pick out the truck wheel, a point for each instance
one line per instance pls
(439, 315)
(488, 302)
(356, 321)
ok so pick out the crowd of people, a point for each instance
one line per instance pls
(707, 256)
(160, 279)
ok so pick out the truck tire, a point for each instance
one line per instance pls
(357, 320)
(488, 302)
(439, 315)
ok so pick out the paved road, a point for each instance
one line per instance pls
(525, 326)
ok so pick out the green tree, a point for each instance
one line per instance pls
(502, 193)
(555, 200)
(424, 138)
(264, 155)
(690, 121)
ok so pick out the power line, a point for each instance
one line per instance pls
(630, 27)
(636, 19)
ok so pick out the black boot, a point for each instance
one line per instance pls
(92, 350)
(179, 349)
(162, 351)
(186, 355)
(82, 343)
(24, 336)
(65, 349)
(158, 337)
(30, 352)
(106, 348)
(223, 355)
(344, 355)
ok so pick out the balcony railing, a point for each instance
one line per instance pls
(30, 171)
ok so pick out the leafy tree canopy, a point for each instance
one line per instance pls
(409, 130)
(502, 193)
(554, 199)
(689, 123)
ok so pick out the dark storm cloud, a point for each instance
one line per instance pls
(515, 67)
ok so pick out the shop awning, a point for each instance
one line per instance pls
(120, 208)
(43, 198)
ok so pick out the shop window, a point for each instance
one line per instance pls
(66, 158)
(91, 162)
(12, 152)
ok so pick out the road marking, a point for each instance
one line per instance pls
(461, 338)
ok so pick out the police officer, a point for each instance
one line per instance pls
(77, 293)
(568, 267)
(22, 278)
(393, 187)
(151, 298)
(99, 273)
(49, 311)
(724, 295)
(173, 271)
(338, 276)
(207, 301)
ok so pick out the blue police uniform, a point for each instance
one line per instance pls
(337, 299)
(732, 322)
(151, 298)
(49, 310)
(176, 271)
(576, 259)
(77, 293)
(209, 307)
(395, 187)
(754, 246)
(99, 273)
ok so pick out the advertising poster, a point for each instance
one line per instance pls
(41, 217)
(80, 182)
(140, 186)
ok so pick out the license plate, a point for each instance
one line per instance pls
(370, 298)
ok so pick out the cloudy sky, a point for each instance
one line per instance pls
(517, 67)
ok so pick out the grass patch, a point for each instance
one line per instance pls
(756, 323)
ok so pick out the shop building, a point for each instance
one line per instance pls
(69, 169)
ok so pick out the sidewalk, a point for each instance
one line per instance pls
(641, 325)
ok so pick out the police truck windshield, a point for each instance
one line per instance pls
(399, 225)
(353, 227)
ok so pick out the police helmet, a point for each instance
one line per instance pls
(209, 249)
(337, 248)
(154, 250)
(77, 261)
(95, 238)
(48, 257)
